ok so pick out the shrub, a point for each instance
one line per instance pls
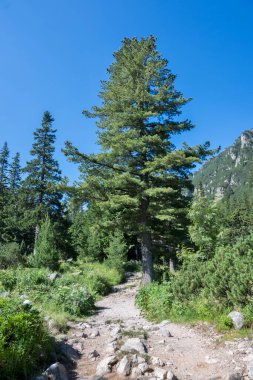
(10, 255)
(47, 254)
(117, 252)
(23, 340)
(75, 300)
(155, 300)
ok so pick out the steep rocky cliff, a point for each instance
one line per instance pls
(231, 171)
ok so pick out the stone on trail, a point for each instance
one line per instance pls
(133, 345)
(250, 370)
(235, 376)
(143, 367)
(94, 333)
(171, 376)
(157, 361)
(93, 354)
(105, 365)
(237, 319)
(124, 366)
(57, 371)
(164, 332)
(136, 373)
(160, 373)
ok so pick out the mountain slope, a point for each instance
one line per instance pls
(230, 172)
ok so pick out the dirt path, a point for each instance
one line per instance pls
(191, 353)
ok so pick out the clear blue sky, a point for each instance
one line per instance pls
(55, 52)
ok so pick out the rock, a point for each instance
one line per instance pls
(94, 333)
(136, 372)
(171, 376)
(157, 361)
(53, 276)
(57, 371)
(27, 303)
(5, 295)
(237, 319)
(115, 331)
(209, 360)
(134, 345)
(143, 367)
(235, 376)
(248, 358)
(69, 351)
(160, 373)
(105, 365)
(164, 323)
(111, 348)
(164, 332)
(93, 354)
(124, 366)
(41, 377)
(250, 370)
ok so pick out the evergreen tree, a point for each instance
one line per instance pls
(4, 165)
(43, 173)
(140, 178)
(15, 173)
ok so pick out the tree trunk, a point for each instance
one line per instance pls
(36, 234)
(147, 258)
(172, 265)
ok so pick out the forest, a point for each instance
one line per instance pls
(134, 207)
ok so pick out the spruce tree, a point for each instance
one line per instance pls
(4, 165)
(15, 173)
(140, 178)
(43, 175)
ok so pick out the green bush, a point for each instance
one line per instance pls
(117, 252)
(75, 300)
(97, 284)
(47, 254)
(23, 340)
(10, 255)
(155, 300)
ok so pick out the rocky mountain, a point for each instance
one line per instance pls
(230, 172)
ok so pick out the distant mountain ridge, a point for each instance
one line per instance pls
(230, 172)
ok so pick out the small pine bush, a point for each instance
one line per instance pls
(47, 254)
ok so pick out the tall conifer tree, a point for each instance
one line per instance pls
(15, 173)
(140, 178)
(4, 165)
(43, 174)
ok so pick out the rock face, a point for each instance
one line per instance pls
(57, 371)
(237, 319)
(134, 345)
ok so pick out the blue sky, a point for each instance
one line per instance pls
(55, 52)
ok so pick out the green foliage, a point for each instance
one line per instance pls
(155, 300)
(117, 252)
(138, 181)
(10, 255)
(46, 251)
(23, 340)
(75, 300)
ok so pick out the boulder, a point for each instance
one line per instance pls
(136, 373)
(160, 373)
(237, 319)
(105, 365)
(124, 366)
(164, 332)
(94, 333)
(57, 371)
(143, 367)
(53, 276)
(171, 376)
(134, 345)
(250, 370)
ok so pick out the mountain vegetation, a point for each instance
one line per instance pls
(62, 247)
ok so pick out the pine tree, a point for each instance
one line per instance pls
(43, 173)
(4, 165)
(15, 173)
(140, 177)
